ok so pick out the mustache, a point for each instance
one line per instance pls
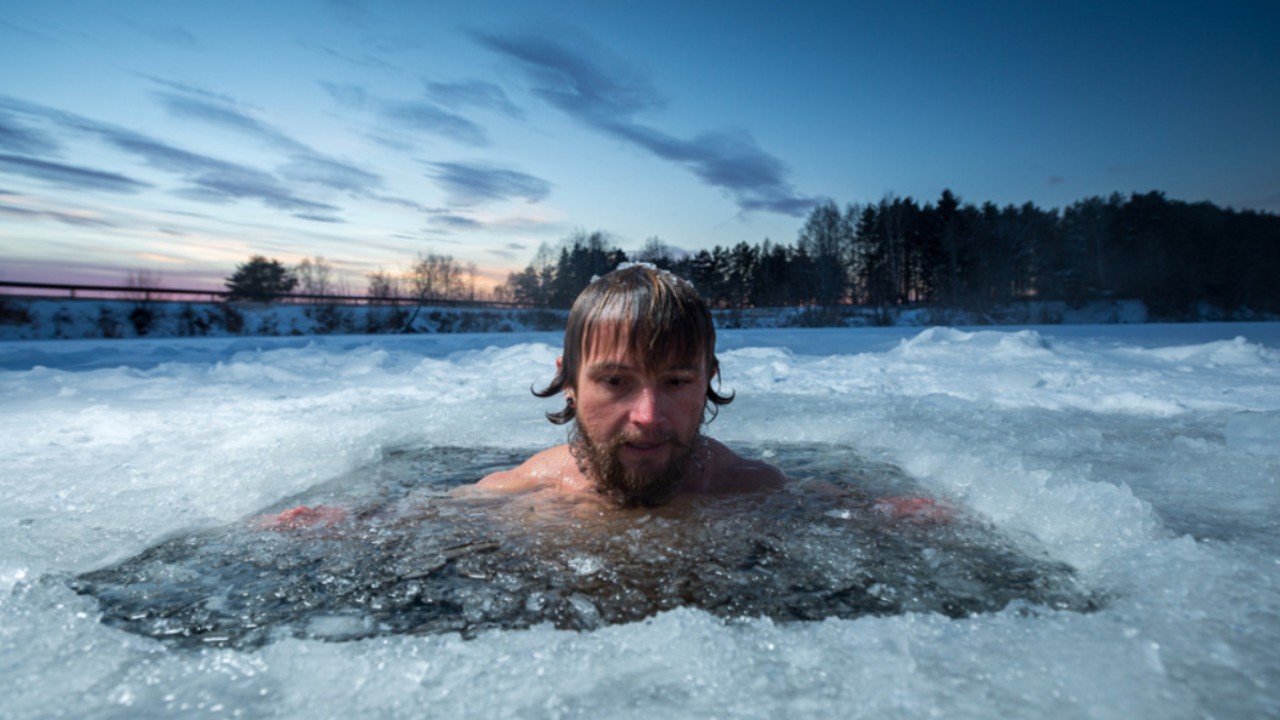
(625, 437)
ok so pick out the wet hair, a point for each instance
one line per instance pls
(657, 316)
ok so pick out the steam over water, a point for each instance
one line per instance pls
(1115, 552)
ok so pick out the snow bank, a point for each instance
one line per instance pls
(1142, 455)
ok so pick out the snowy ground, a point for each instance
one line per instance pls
(60, 318)
(1145, 455)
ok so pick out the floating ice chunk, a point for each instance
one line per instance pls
(937, 335)
(1017, 378)
(586, 564)
(1238, 352)
(339, 627)
(1138, 404)
(1021, 344)
(1254, 432)
(994, 344)
(11, 576)
(588, 615)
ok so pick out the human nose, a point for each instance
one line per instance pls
(646, 406)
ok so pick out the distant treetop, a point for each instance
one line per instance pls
(260, 280)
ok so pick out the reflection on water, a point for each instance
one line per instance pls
(411, 559)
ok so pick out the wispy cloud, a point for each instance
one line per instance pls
(208, 179)
(230, 118)
(173, 35)
(19, 138)
(443, 222)
(456, 222)
(79, 220)
(350, 10)
(475, 183)
(319, 218)
(69, 176)
(26, 33)
(474, 93)
(211, 179)
(607, 94)
(362, 60)
(305, 164)
(348, 95)
(509, 251)
(327, 172)
(189, 89)
(427, 117)
(423, 116)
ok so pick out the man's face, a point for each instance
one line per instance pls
(640, 423)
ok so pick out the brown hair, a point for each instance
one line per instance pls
(657, 315)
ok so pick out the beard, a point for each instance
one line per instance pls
(599, 461)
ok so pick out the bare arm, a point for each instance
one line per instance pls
(552, 467)
(727, 471)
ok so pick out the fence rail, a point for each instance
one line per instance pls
(124, 292)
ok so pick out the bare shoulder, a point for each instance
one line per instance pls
(727, 471)
(545, 469)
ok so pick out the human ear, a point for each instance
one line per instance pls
(568, 390)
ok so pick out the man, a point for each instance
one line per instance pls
(637, 376)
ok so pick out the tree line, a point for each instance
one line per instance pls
(1174, 256)
(431, 277)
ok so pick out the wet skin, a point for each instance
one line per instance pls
(656, 409)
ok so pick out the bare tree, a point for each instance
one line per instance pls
(315, 276)
(433, 278)
(472, 273)
(384, 288)
(143, 285)
(503, 293)
(656, 252)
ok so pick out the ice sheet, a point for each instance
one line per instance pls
(1142, 455)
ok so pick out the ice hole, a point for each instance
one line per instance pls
(408, 557)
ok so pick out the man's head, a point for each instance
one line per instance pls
(637, 371)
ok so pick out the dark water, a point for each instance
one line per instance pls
(411, 559)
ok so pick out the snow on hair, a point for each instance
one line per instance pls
(664, 274)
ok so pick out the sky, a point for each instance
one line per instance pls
(178, 139)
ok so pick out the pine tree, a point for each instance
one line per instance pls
(260, 280)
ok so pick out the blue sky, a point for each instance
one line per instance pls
(180, 138)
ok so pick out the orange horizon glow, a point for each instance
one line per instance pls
(349, 282)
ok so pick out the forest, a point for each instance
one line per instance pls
(1179, 258)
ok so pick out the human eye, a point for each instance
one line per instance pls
(611, 380)
(679, 380)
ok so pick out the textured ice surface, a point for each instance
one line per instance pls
(411, 560)
(1142, 456)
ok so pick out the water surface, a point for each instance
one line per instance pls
(410, 557)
